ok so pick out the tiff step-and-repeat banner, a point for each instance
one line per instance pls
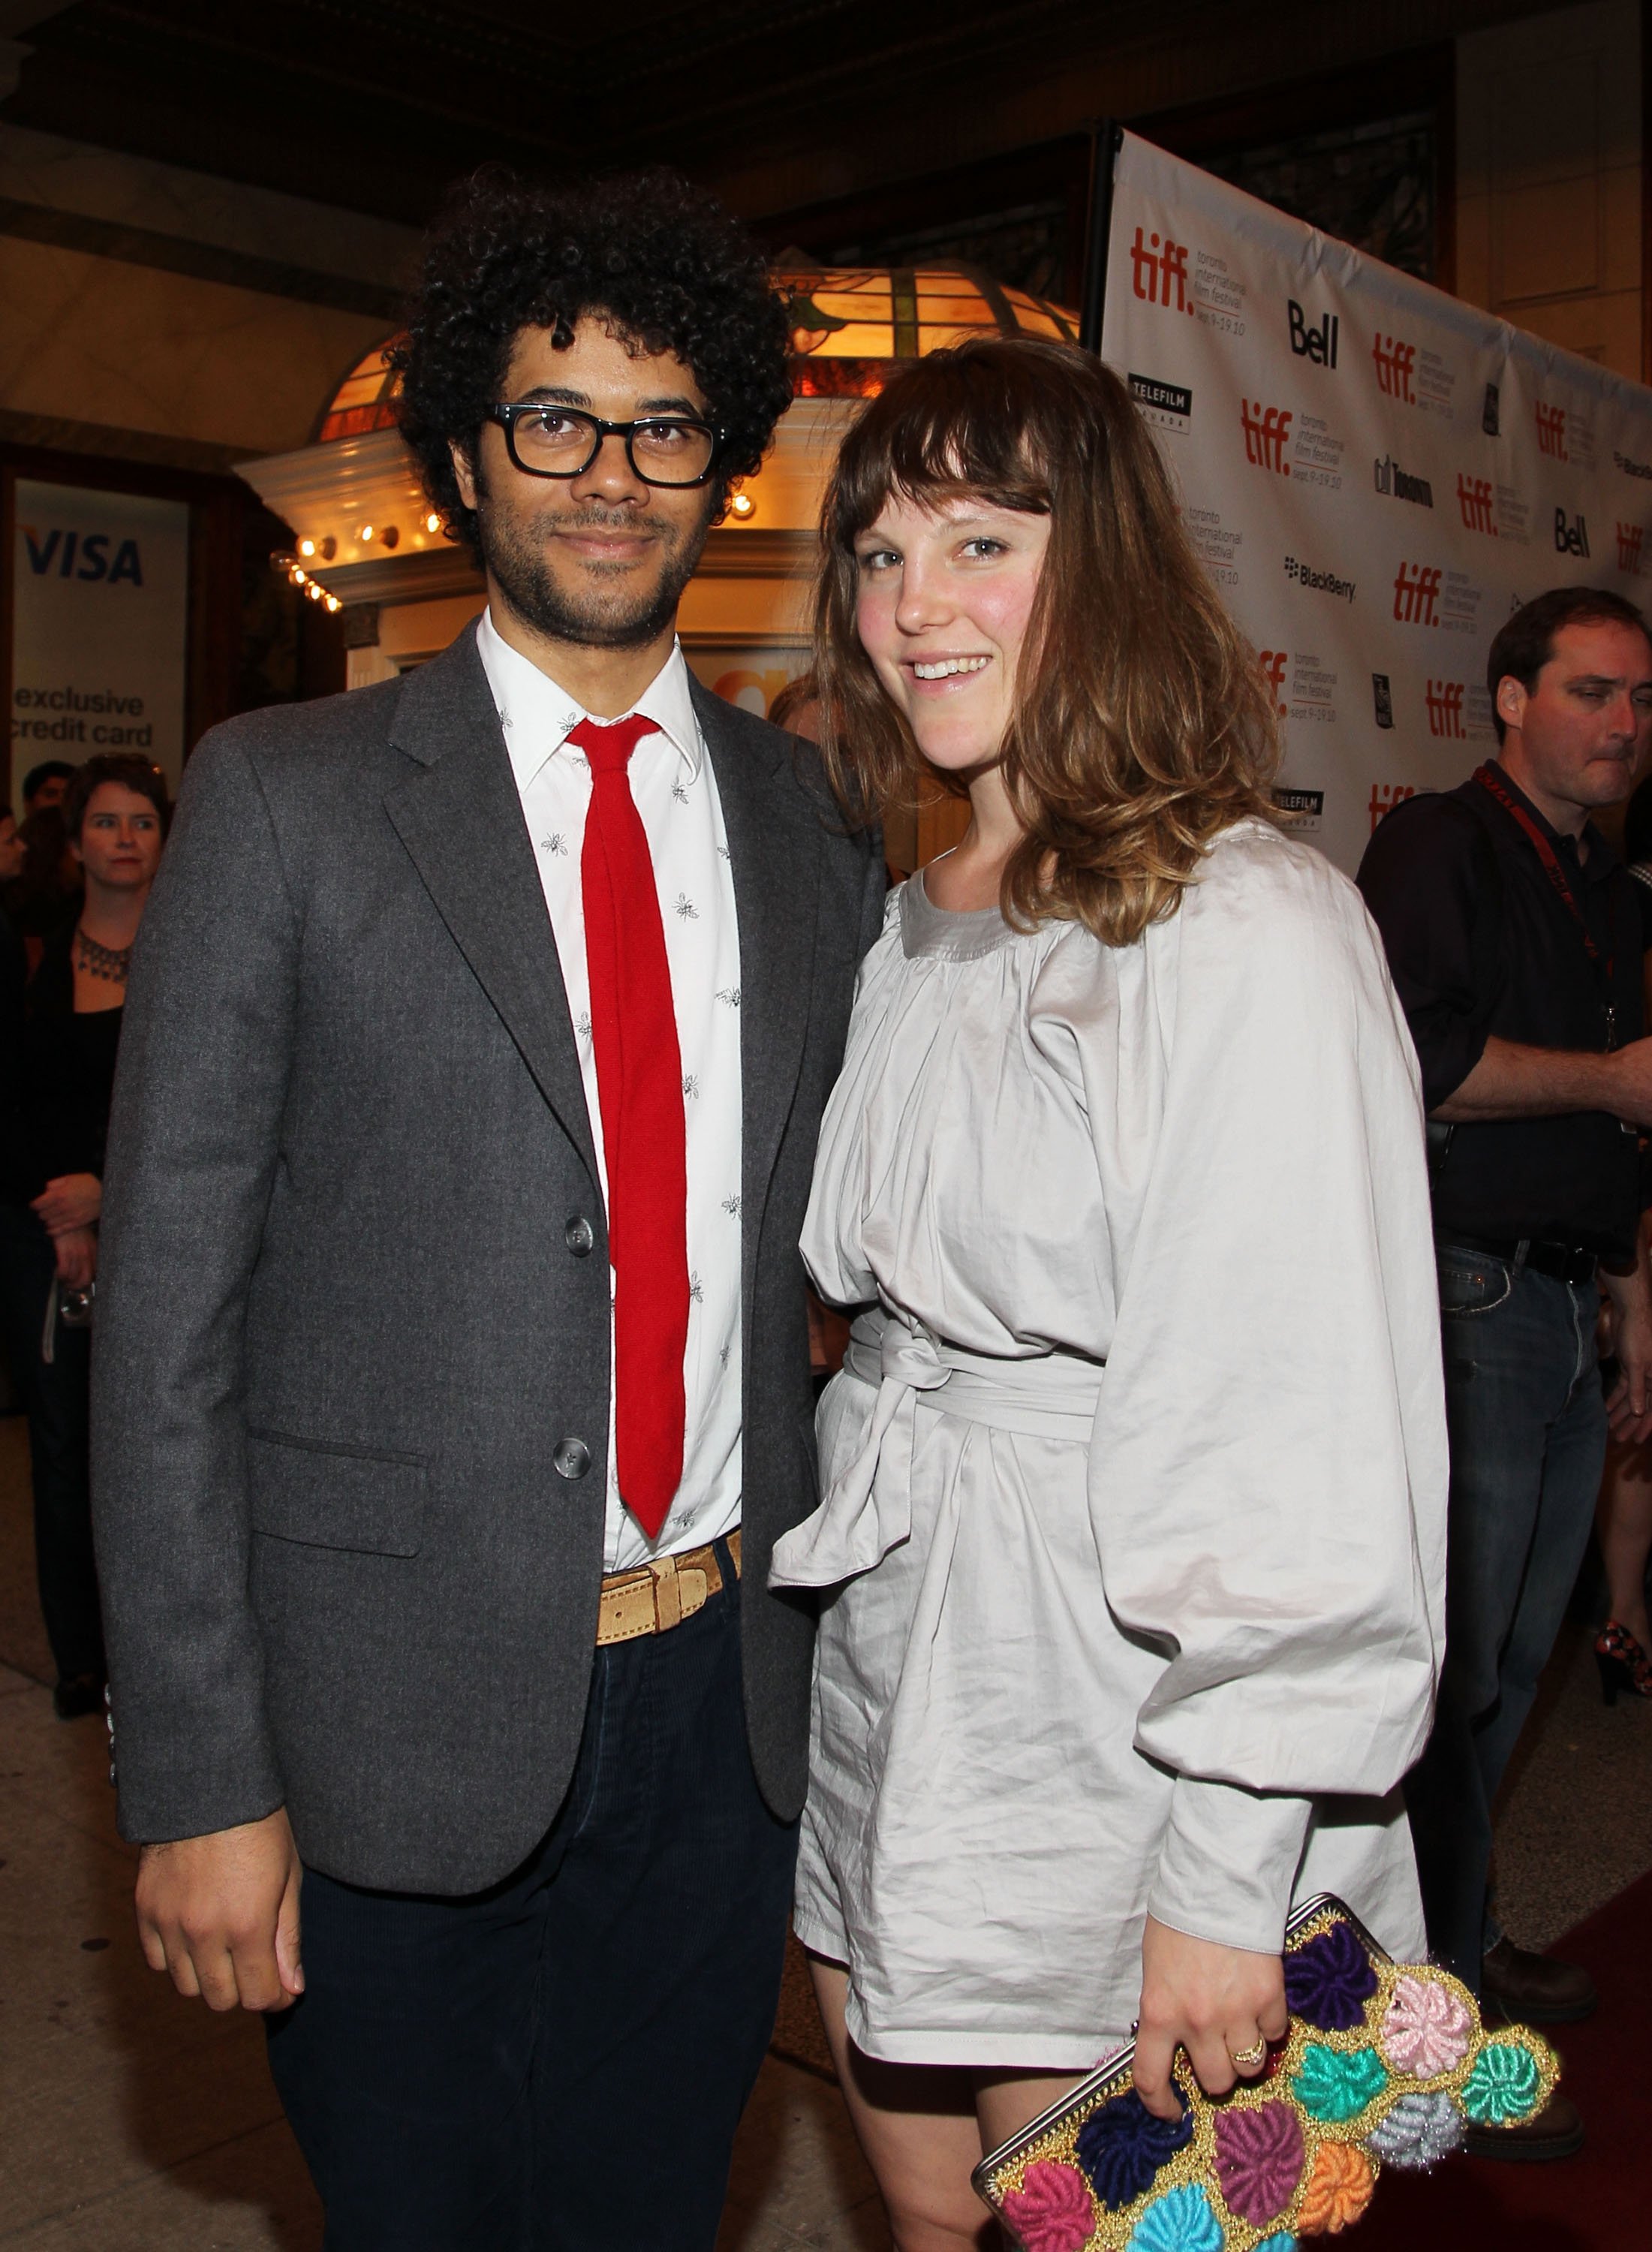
(1375, 474)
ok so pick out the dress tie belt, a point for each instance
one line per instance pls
(866, 1510)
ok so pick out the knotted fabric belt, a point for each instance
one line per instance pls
(867, 1509)
(661, 1595)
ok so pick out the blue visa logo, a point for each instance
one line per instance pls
(84, 555)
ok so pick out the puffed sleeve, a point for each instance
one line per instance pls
(1267, 1482)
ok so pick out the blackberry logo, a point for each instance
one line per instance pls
(1319, 582)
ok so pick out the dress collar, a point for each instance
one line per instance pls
(539, 715)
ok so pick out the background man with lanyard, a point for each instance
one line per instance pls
(1514, 936)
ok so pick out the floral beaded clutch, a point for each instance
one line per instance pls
(1385, 2063)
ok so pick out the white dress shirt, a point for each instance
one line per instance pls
(675, 795)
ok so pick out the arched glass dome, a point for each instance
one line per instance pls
(848, 324)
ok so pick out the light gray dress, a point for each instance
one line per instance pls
(1132, 1527)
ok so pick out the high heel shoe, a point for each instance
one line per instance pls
(1622, 1661)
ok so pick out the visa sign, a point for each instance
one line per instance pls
(83, 555)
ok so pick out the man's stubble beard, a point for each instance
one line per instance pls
(514, 551)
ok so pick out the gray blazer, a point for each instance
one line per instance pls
(343, 1317)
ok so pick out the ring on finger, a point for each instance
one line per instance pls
(1246, 2060)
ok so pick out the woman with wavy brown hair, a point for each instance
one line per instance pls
(1131, 1548)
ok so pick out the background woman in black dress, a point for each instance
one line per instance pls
(115, 815)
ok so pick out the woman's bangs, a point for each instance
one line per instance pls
(951, 446)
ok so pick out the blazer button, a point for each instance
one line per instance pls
(571, 1458)
(579, 1236)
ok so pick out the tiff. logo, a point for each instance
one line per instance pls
(1551, 431)
(1629, 537)
(1386, 796)
(1394, 362)
(1416, 592)
(1273, 663)
(1157, 269)
(1266, 435)
(1444, 699)
(1474, 498)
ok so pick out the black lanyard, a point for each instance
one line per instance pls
(1549, 859)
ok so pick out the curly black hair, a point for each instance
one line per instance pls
(669, 265)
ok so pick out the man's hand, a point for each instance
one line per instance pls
(1628, 1326)
(220, 1913)
(1215, 2002)
(73, 1200)
(76, 1252)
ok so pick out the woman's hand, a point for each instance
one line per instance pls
(1220, 2004)
(77, 1253)
(71, 1200)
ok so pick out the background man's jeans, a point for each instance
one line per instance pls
(1528, 1439)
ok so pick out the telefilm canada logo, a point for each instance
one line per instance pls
(1268, 432)
(1319, 582)
(1314, 340)
(1167, 402)
(1399, 484)
(1304, 809)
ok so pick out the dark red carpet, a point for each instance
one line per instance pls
(1599, 2201)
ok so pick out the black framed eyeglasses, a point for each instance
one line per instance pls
(563, 442)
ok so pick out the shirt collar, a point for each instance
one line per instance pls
(1601, 858)
(539, 715)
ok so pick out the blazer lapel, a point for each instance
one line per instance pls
(459, 815)
(773, 843)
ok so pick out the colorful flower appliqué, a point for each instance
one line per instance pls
(1122, 2145)
(1338, 2190)
(1181, 2221)
(1052, 2210)
(1419, 2131)
(1426, 2028)
(1329, 1981)
(1504, 2086)
(1258, 2159)
(1338, 2084)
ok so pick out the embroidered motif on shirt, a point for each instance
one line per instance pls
(731, 1207)
(690, 1086)
(723, 852)
(557, 844)
(679, 793)
(696, 1295)
(685, 908)
(730, 994)
(582, 1026)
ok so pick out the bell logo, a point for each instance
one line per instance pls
(1266, 434)
(1474, 498)
(1551, 432)
(1157, 268)
(1316, 342)
(1629, 547)
(1272, 663)
(1570, 535)
(1386, 796)
(1394, 362)
(1444, 701)
(1416, 594)
(84, 556)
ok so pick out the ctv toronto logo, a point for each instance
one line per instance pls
(1444, 701)
(1399, 484)
(1157, 268)
(1416, 595)
(1395, 362)
(1268, 432)
(1474, 499)
(1551, 432)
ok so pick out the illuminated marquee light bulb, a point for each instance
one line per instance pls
(307, 547)
(299, 577)
(333, 604)
(743, 507)
(366, 534)
(432, 522)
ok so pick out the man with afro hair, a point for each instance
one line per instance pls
(452, 1370)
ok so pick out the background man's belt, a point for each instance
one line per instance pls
(1566, 1262)
(661, 1594)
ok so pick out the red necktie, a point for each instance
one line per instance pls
(639, 1093)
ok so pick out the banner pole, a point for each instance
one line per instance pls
(1105, 136)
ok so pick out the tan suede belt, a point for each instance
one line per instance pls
(661, 1594)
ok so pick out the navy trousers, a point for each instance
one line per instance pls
(558, 2064)
(1528, 1431)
